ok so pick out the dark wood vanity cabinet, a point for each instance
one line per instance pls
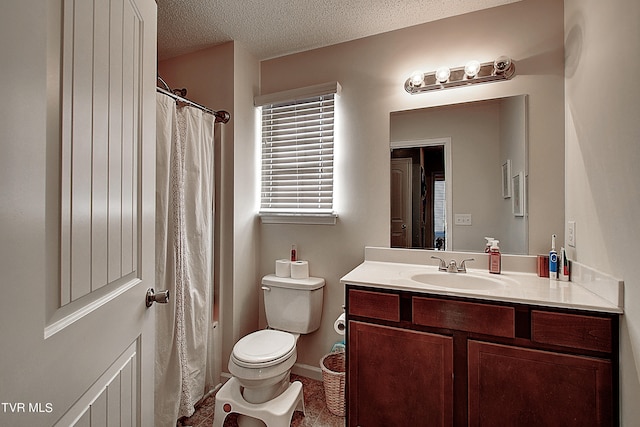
(393, 365)
(516, 386)
(422, 360)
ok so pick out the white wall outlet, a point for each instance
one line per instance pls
(462, 219)
(571, 234)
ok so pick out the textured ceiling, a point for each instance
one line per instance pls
(271, 28)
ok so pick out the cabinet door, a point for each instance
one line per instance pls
(525, 387)
(399, 377)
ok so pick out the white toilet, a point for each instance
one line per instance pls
(261, 361)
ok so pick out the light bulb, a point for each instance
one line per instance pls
(442, 74)
(417, 78)
(472, 68)
(502, 64)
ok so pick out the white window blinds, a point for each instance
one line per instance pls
(297, 156)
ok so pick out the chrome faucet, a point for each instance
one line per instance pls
(452, 267)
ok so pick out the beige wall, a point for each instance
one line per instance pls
(245, 192)
(602, 158)
(372, 72)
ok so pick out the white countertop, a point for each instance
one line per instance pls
(520, 287)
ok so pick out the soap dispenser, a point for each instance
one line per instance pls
(487, 246)
(495, 258)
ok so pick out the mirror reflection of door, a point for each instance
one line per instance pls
(418, 202)
(401, 184)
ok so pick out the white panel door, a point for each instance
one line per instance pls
(77, 211)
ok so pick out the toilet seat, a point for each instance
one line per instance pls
(264, 348)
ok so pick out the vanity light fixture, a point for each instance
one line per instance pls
(472, 69)
(417, 77)
(503, 68)
(443, 74)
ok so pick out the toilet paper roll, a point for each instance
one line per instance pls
(299, 269)
(283, 268)
(340, 325)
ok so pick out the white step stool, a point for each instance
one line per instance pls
(277, 412)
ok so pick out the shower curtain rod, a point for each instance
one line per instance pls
(221, 116)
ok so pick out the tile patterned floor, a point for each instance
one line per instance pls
(317, 414)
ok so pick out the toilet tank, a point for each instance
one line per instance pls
(293, 305)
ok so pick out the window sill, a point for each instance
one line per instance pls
(302, 218)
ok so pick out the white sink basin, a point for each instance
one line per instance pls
(469, 281)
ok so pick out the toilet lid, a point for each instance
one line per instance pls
(264, 347)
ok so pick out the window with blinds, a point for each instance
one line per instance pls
(297, 157)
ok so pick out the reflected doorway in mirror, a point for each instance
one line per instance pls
(420, 194)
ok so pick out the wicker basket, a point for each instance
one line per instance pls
(333, 377)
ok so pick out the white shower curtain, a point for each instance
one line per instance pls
(184, 251)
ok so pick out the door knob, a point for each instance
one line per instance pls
(161, 297)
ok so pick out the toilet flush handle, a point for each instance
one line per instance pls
(266, 288)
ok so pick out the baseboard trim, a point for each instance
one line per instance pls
(308, 371)
(313, 372)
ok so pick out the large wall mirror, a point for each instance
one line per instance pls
(459, 174)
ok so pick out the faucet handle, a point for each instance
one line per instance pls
(463, 268)
(443, 264)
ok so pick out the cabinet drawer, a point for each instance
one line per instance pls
(464, 316)
(375, 305)
(571, 330)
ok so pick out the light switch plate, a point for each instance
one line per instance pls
(571, 234)
(462, 219)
